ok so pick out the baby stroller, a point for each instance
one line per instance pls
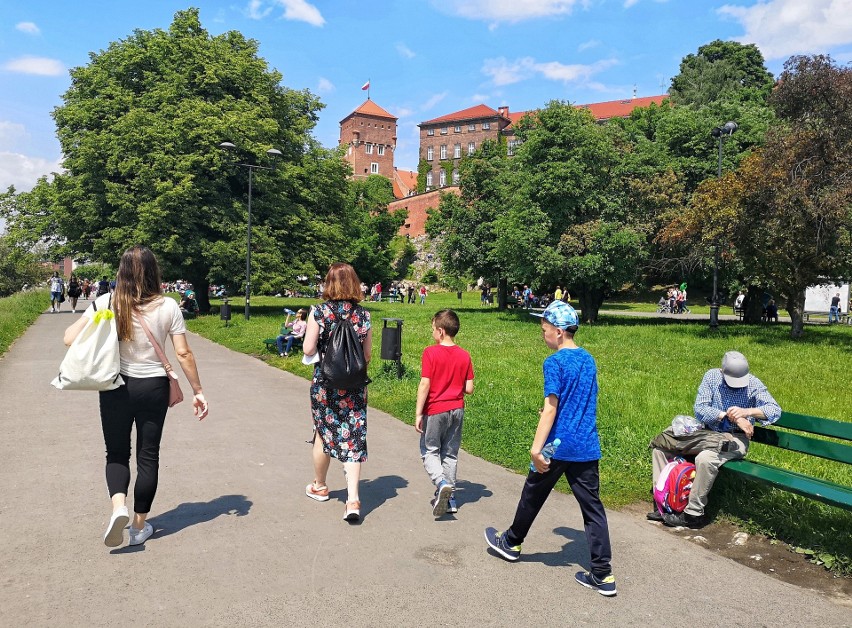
(663, 306)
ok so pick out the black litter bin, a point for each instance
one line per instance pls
(225, 312)
(392, 339)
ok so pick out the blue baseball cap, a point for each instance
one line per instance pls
(559, 314)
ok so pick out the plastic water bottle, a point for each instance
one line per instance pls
(547, 452)
(289, 311)
(683, 424)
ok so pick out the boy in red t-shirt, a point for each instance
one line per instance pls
(446, 377)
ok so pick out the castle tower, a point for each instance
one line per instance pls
(370, 133)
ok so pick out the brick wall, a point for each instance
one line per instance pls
(415, 224)
(365, 132)
(463, 137)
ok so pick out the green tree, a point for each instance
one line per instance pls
(18, 267)
(722, 71)
(139, 128)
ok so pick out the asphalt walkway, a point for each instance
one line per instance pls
(237, 543)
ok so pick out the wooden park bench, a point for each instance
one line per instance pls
(793, 440)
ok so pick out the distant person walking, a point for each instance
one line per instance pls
(57, 289)
(340, 416)
(144, 397)
(74, 292)
(423, 294)
(834, 310)
(103, 286)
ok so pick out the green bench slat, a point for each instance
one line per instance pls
(815, 425)
(804, 444)
(826, 492)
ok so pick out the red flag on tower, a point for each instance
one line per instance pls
(366, 86)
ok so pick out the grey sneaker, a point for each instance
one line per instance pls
(137, 537)
(499, 544)
(442, 498)
(114, 535)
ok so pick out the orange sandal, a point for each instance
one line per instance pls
(317, 492)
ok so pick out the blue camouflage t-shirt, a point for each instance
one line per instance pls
(571, 375)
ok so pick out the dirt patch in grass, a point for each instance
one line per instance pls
(758, 552)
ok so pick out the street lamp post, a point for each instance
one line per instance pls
(720, 132)
(273, 153)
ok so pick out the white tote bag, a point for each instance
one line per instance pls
(92, 361)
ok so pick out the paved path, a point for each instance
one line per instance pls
(238, 543)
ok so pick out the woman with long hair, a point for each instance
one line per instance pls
(340, 416)
(144, 397)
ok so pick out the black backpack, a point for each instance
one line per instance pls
(342, 363)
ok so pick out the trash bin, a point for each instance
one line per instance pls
(225, 311)
(392, 339)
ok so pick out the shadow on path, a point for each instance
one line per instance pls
(375, 492)
(575, 551)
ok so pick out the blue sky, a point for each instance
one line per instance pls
(424, 58)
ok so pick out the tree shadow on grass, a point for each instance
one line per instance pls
(374, 492)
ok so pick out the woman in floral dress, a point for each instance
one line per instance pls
(340, 416)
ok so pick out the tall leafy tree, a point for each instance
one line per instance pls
(139, 129)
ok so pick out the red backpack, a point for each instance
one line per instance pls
(671, 492)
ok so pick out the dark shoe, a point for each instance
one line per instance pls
(605, 586)
(654, 515)
(682, 519)
(499, 544)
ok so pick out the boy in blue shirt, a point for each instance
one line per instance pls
(570, 415)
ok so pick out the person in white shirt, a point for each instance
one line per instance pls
(57, 287)
(144, 397)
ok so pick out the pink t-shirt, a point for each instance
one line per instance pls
(448, 368)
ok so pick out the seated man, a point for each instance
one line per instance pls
(729, 400)
(771, 311)
(188, 304)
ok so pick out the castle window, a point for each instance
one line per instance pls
(457, 151)
(381, 149)
(510, 147)
(443, 151)
(457, 129)
(455, 177)
(471, 148)
(429, 179)
(443, 130)
(374, 168)
(430, 131)
(471, 127)
(486, 126)
(442, 178)
(430, 153)
(368, 148)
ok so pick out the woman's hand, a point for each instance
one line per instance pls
(199, 404)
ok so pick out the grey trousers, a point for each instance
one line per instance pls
(439, 445)
(707, 465)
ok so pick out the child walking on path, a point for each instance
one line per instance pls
(446, 376)
(570, 415)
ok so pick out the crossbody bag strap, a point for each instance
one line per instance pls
(157, 347)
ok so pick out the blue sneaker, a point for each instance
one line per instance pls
(499, 544)
(442, 498)
(605, 586)
(452, 506)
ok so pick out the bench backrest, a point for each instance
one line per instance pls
(830, 450)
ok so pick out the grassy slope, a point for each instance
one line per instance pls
(18, 312)
(649, 370)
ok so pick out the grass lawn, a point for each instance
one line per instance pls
(649, 370)
(18, 312)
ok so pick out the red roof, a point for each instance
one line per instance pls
(371, 109)
(471, 113)
(621, 108)
(404, 183)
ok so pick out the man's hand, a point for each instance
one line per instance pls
(746, 427)
(418, 424)
(735, 413)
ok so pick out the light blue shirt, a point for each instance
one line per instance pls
(715, 396)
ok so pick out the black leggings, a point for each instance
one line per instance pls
(144, 400)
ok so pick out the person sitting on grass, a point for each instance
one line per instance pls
(188, 305)
(729, 400)
(298, 327)
(569, 416)
(446, 376)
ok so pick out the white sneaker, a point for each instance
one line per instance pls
(114, 535)
(137, 537)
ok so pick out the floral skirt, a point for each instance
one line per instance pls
(340, 420)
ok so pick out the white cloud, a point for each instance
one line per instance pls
(405, 51)
(434, 100)
(630, 3)
(40, 66)
(784, 27)
(479, 98)
(24, 171)
(507, 10)
(11, 133)
(586, 45)
(325, 86)
(256, 11)
(301, 11)
(504, 72)
(29, 28)
(403, 112)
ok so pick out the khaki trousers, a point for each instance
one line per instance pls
(707, 465)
